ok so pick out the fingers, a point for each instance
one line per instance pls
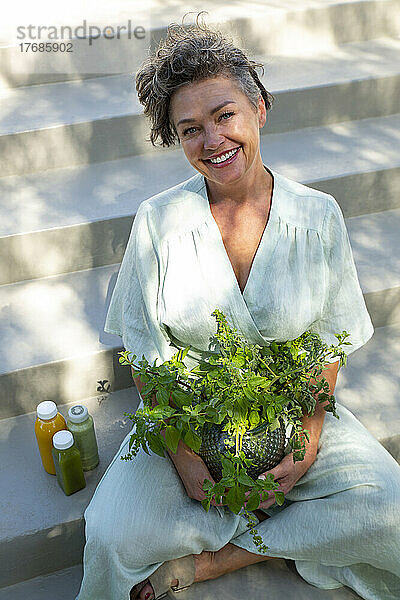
(282, 470)
(269, 501)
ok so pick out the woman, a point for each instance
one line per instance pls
(274, 256)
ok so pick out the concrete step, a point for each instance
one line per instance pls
(375, 243)
(42, 529)
(273, 575)
(267, 27)
(52, 328)
(62, 124)
(369, 386)
(60, 585)
(80, 217)
(40, 523)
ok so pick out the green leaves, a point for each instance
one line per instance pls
(161, 412)
(228, 467)
(254, 418)
(162, 397)
(180, 398)
(206, 503)
(172, 437)
(192, 440)
(239, 386)
(245, 479)
(248, 393)
(156, 443)
(235, 498)
(270, 413)
(253, 501)
(274, 347)
(238, 361)
(258, 381)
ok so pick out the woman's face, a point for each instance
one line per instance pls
(212, 118)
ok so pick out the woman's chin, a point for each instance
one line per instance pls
(225, 175)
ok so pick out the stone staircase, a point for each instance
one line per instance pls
(74, 168)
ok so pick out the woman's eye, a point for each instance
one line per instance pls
(226, 115)
(189, 130)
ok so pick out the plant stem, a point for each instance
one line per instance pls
(268, 367)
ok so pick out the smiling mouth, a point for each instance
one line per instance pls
(223, 158)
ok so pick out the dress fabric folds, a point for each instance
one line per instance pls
(340, 522)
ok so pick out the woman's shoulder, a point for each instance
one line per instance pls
(302, 205)
(180, 193)
(177, 208)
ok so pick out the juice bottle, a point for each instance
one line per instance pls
(81, 425)
(48, 422)
(67, 461)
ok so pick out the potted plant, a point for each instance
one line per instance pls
(234, 409)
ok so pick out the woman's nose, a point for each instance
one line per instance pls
(212, 139)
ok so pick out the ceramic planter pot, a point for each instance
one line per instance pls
(265, 449)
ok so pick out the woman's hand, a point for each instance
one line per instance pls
(192, 471)
(287, 473)
(190, 467)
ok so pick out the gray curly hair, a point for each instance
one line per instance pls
(188, 54)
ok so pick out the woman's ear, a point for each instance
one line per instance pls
(262, 112)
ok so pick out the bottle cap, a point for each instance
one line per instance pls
(63, 439)
(46, 410)
(78, 413)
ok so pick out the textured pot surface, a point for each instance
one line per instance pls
(266, 450)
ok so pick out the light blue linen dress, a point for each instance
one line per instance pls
(341, 522)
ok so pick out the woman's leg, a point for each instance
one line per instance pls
(140, 516)
(210, 565)
(344, 514)
(343, 525)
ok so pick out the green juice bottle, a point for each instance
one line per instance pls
(67, 462)
(81, 425)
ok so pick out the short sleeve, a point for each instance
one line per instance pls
(343, 305)
(133, 310)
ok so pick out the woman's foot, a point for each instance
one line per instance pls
(146, 593)
(210, 565)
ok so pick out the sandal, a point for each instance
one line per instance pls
(181, 569)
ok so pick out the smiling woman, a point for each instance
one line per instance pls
(188, 54)
(274, 256)
(221, 133)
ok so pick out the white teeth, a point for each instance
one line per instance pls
(224, 157)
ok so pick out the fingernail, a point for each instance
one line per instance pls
(261, 476)
(147, 596)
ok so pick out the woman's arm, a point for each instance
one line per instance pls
(314, 423)
(287, 473)
(190, 467)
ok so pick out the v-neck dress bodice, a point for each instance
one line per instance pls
(261, 241)
(176, 271)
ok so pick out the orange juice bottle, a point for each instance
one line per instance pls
(48, 422)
